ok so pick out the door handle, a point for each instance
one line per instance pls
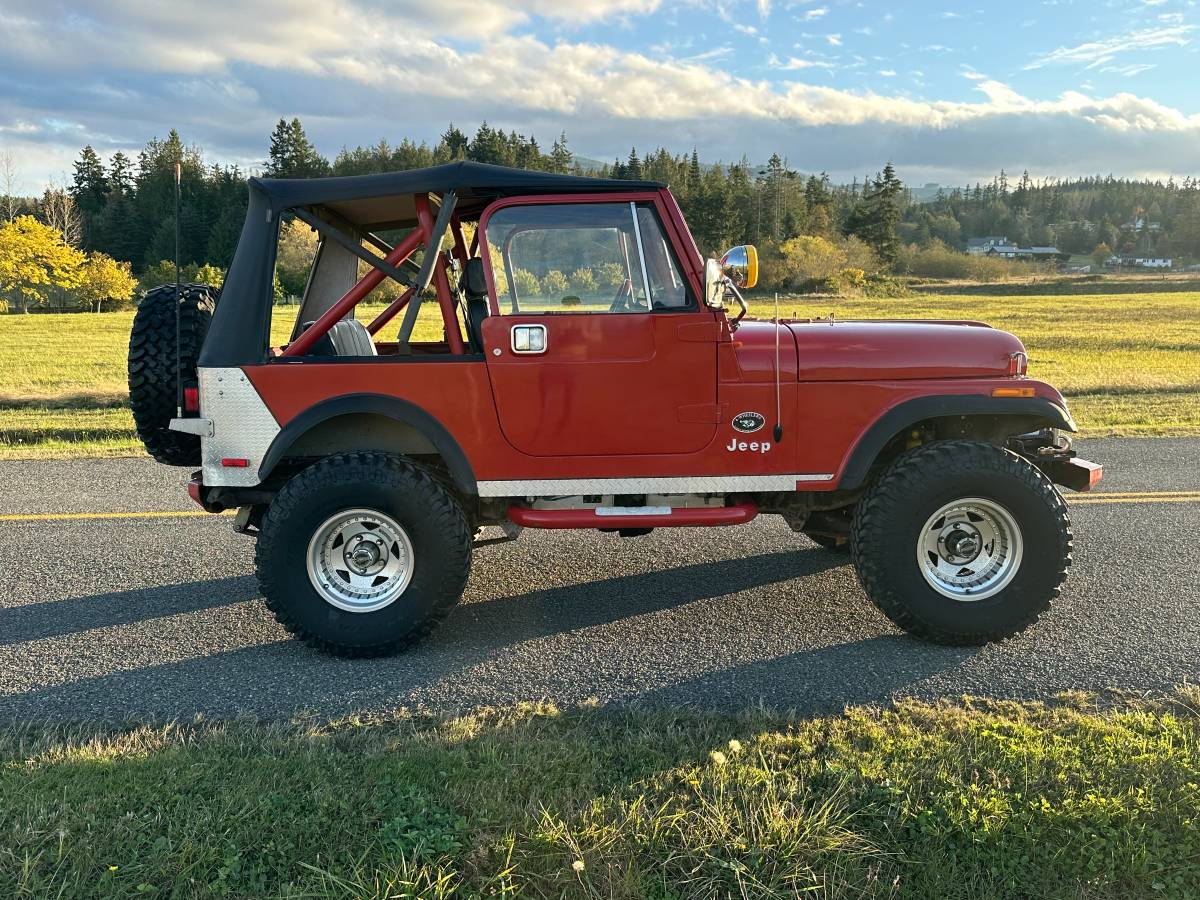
(528, 339)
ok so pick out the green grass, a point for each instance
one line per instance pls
(972, 800)
(1128, 362)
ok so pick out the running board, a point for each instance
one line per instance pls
(633, 516)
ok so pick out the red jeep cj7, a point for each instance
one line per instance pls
(590, 376)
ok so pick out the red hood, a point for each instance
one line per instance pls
(900, 350)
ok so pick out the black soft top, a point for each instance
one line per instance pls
(386, 198)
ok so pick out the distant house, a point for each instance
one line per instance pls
(980, 246)
(1139, 262)
(1139, 224)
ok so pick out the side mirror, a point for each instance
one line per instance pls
(740, 265)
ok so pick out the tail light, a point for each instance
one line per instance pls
(1018, 363)
(191, 399)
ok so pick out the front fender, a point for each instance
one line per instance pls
(1032, 412)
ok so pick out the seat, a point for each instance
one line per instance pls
(351, 338)
(474, 287)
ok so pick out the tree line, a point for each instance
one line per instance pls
(124, 207)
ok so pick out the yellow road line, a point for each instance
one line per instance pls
(1097, 499)
(1107, 495)
(80, 516)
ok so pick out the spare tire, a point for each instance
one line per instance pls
(153, 378)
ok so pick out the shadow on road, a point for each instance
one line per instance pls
(284, 677)
(55, 618)
(816, 681)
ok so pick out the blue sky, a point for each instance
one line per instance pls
(951, 92)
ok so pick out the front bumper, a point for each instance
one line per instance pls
(1074, 473)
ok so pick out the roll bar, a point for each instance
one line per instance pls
(428, 234)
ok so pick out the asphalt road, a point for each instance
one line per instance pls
(120, 617)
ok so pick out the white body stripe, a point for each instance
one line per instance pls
(243, 427)
(696, 484)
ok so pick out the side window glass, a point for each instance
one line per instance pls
(582, 257)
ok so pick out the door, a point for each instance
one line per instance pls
(600, 347)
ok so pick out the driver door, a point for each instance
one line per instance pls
(599, 347)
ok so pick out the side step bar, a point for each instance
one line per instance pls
(632, 516)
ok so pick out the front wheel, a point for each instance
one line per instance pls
(362, 554)
(962, 542)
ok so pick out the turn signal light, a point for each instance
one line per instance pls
(191, 399)
(1018, 363)
(1014, 392)
(235, 462)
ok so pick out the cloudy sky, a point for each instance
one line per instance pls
(950, 91)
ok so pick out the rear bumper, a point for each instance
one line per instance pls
(218, 498)
(1076, 474)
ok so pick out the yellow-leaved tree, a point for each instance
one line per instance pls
(36, 263)
(104, 278)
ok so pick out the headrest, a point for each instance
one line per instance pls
(474, 279)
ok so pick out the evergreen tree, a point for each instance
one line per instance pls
(89, 188)
(560, 156)
(488, 146)
(633, 167)
(455, 143)
(292, 155)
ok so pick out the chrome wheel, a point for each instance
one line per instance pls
(970, 549)
(360, 560)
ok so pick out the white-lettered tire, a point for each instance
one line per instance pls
(362, 554)
(962, 542)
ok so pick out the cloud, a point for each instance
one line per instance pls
(1096, 53)
(794, 64)
(814, 14)
(888, 73)
(834, 40)
(355, 85)
(1129, 71)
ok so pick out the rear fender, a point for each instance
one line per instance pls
(417, 432)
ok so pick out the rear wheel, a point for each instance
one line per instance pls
(362, 554)
(962, 542)
(153, 376)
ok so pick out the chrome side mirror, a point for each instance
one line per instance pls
(740, 265)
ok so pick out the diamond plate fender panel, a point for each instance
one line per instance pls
(243, 427)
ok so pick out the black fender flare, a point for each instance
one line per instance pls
(379, 404)
(910, 412)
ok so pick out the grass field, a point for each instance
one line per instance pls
(974, 800)
(1129, 363)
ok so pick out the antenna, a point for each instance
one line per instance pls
(778, 399)
(178, 293)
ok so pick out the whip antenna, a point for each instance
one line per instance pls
(178, 292)
(778, 399)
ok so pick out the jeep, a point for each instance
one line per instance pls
(594, 371)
